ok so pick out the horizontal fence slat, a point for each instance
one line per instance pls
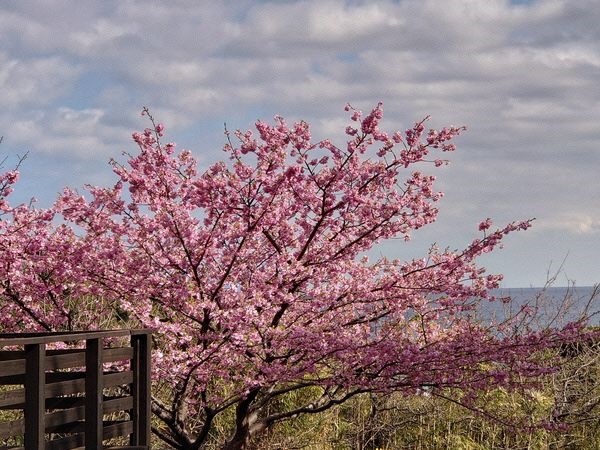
(13, 362)
(78, 385)
(78, 359)
(78, 334)
(9, 339)
(110, 430)
(117, 354)
(11, 367)
(56, 419)
(66, 361)
(61, 418)
(13, 371)
(117, 404)
(57, 403)
(76, 414)
(118, 378)
(117, 428)
(16, 398)
(51, 377)
(66, 387)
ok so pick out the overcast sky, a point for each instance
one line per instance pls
(523, 76)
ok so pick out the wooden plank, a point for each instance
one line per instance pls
(13, 371)
(118, 378)
(111, 430)
(72, 402)
(40, 334)
(78, 385)
(140, 365)
(66, 360)
(94, 387)
(117, 354)
(11, 339)
(78, 359)
(76, 414)
(134, 366)
(132, 331)
(35, 356)
(11, 367)
(117, 428)
(51, 377)
(15, 399)
(58, 418)
(13, 362)
(118, 404)
(66, 387)
(54, 402)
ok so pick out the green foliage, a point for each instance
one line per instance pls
(385, 422)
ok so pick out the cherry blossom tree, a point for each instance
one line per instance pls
(255, 276)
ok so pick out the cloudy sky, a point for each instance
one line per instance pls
(523, 76)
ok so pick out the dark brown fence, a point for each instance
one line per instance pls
(63, 399)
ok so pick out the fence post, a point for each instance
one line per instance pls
(141, 389)
(35, 408)
(93, 394)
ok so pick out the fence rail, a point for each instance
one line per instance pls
(60, 397)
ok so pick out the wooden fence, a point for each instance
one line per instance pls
(60, 396)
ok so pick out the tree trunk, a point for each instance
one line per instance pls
(243, 423)
(236, 442)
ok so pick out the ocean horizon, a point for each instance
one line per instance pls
(559, 304)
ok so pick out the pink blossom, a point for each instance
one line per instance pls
(486, 224)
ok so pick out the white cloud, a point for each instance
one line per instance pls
(65, 131)
(102, 32)
(576, 223)
(33, 81)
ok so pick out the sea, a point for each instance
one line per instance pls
(551, 305)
